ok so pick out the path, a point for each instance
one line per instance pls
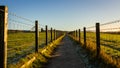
(66, 56)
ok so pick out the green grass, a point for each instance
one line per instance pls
(41, 57)
(20, 44)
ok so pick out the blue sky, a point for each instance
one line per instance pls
(66, 14)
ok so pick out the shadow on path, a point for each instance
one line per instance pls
(66, 56)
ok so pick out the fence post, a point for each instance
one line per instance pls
(36, 36)
(79, 36)
(46, 35)
(84, 36)
(3, 36)
(54, 34)
(98, 39)
(76, 34)
(51, 34)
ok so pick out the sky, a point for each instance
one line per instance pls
(66, 14)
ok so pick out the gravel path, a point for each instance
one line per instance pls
(66, 56)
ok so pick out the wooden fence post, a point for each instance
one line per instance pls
(85, 36)
(51, 34)
(3, 36)
(46, 35)
(98, 39)
(73, 33)
(54, 34)
(36, 36)
(76, 34)
(79, 36)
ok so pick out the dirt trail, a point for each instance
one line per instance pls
(66, 56)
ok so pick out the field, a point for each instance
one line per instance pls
(20, 44)
(110, 43)
(110, 46)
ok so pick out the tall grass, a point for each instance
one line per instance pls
(110, 48)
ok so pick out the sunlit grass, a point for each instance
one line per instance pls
(110, 47)
(46, 53)
(110, 43)
(21, 44)
(22, 53)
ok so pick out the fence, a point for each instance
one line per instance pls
(102, 39)
(24, 37)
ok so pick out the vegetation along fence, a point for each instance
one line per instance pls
(24, 37)
(102, 39)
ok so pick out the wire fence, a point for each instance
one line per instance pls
(103, 40)
(110, 39)
(22, 36)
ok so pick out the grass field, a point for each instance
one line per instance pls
(21, 44)
(110, 43)
(110, 46)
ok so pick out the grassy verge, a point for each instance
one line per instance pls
(22, 45)
(103, 61)
(41, 56)
(46, 53)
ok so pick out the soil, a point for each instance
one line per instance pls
(66, 56)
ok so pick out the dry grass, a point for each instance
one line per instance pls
(107, 60)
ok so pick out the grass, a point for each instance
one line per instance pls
(21, 44)
(110, 43)
(45, 54)
(110, 47)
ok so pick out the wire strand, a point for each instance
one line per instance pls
(13, 14)
(19, 22)
(112, 22)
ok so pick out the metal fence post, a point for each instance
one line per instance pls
(84, 36)
(36, 36)
(46, 34)
(3, 36)
(98, 39)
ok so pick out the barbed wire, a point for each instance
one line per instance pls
(106, 29)
(3, 10)
(112, 22)
(23, 18)
(108, 23)
(13, 14)
(111, 28)
(90, 27)
(12, 20)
